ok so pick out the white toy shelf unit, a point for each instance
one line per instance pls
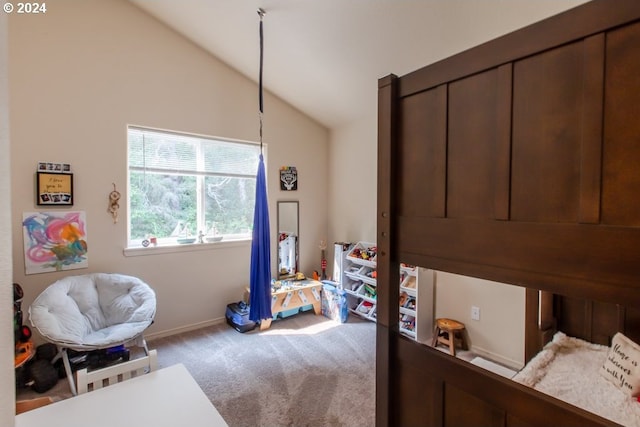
(416, 303)
(355, 271)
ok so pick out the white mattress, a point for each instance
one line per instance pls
(568, 369)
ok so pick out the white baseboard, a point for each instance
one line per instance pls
(510, 363)
(496, 368)
(183, 329)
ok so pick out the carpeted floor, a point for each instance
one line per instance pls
(304, 371)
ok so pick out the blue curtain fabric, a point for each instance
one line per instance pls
(260, 279)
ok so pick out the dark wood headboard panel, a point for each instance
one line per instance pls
(517, 161)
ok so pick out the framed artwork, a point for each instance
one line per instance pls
(54, 241)
(288, 178)
(54, 188)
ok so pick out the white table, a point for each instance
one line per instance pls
(168, 397)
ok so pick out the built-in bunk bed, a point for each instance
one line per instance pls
(517, 161)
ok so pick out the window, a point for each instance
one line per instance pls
(181, 185)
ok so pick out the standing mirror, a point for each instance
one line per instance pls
(288, 229)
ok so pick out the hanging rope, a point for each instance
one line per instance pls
(261, 12)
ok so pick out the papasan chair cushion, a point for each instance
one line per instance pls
(93, 311)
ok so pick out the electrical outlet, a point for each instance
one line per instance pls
(475, 313)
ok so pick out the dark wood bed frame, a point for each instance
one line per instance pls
(517, 161)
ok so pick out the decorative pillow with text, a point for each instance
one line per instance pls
(622, 365)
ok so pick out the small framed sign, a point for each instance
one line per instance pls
(288, 178)
(54, 188)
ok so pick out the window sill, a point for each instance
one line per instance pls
(189, 247)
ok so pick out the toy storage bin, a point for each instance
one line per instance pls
(307, 307)
(352, 269)
(361, 248)
(366, 308)
(286, 313)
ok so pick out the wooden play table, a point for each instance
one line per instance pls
(293, 294)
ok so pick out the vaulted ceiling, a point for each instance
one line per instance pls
(324, 57)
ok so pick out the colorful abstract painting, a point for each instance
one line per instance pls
(54, 241)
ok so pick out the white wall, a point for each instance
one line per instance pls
(7, 393)
(83, 72)
(499, 333)
(353, 180)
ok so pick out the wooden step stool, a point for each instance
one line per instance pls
(449, 332)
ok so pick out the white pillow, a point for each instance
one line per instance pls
(621, 366)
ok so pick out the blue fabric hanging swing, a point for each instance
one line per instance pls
(260, 277)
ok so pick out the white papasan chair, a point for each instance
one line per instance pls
(92, 312)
